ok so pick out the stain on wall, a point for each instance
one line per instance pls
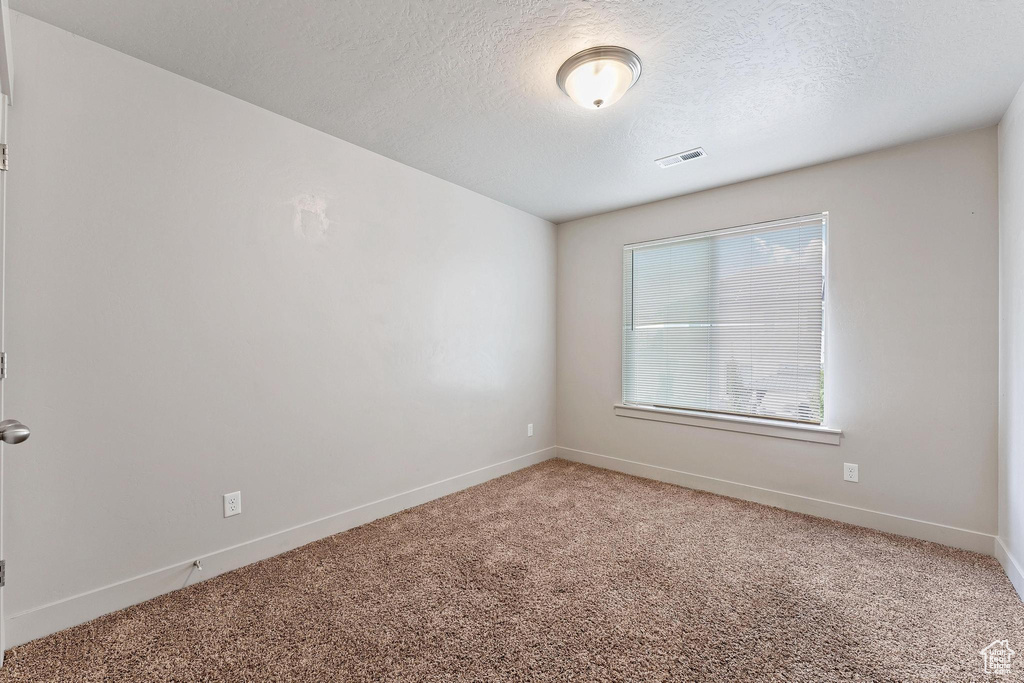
(311, 221)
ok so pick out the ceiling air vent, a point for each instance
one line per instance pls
(688, 155)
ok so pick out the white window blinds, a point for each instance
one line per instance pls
(729, 321)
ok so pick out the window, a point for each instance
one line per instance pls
(729, 321)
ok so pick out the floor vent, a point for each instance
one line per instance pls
(688, 155)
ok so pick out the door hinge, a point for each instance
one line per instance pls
(3, 157)
(3, 573)
(3, 365)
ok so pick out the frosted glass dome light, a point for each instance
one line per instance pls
(599, 76)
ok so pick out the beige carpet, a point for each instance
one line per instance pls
(563, 572)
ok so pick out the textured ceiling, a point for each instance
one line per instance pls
(465, 89)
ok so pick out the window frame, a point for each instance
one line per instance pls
(767, 425)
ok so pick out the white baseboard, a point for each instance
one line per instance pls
(61, 614)
(882, 521)
(1011, 566)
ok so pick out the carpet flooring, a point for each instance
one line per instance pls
(564, 572)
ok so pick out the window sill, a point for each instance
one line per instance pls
(734, 423)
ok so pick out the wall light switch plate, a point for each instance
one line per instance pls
(850, 472)
(529, 429)
(232, 504)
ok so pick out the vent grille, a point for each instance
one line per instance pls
(688, 155)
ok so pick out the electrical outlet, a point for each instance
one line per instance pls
(850, 472)
(232, 504)
(529, 429)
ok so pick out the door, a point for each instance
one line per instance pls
(3, 357)
(11, 431)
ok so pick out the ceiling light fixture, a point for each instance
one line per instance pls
(597, 77)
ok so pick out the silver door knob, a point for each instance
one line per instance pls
(12, 431)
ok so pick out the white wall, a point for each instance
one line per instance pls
(205, 297)
(1011, 340)
(911, 371)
